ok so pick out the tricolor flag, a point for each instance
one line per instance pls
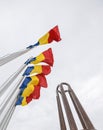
(34, 95)
(46, 56)
(49, 37)
(31, 88)
(39, 69)
(35, 80)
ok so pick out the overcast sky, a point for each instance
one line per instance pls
(78, 57)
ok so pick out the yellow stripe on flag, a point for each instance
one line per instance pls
(24, 102)
(44, 39)
(37, 69)
(39, 58)
(27, 91)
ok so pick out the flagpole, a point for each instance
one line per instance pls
(7, 111)
(7, 99)
(7, 58)
(8, 119)
(9, 81)
(8, 114)
(52, 35)
(5, 106)
(8, 106)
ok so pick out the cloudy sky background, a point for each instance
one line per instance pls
(78, 57)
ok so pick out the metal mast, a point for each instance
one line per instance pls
(83, 117)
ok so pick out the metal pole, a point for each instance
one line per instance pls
(85, 121)
(76, 106)
(70, 117)
(7, 111)
(8, 58)
(7, 107)
(8, 82)
(8, 119)
(7, 99)
(61, 117)
(78, 111)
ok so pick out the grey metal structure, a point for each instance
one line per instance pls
(62, 102)
(7, 104)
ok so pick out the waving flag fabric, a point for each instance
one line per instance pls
(52, 35)
(49, 37)
(23, 101)
(35, 80)
(28, 99)
(34, 95)
(46, 56)
(30, 88)
(44, 69)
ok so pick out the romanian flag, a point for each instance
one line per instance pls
(35, 80)
(28, 86)
(39, 69)
(50, 36)
(46, 56)
(30, 90)
(36, 93)
(25, 100)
